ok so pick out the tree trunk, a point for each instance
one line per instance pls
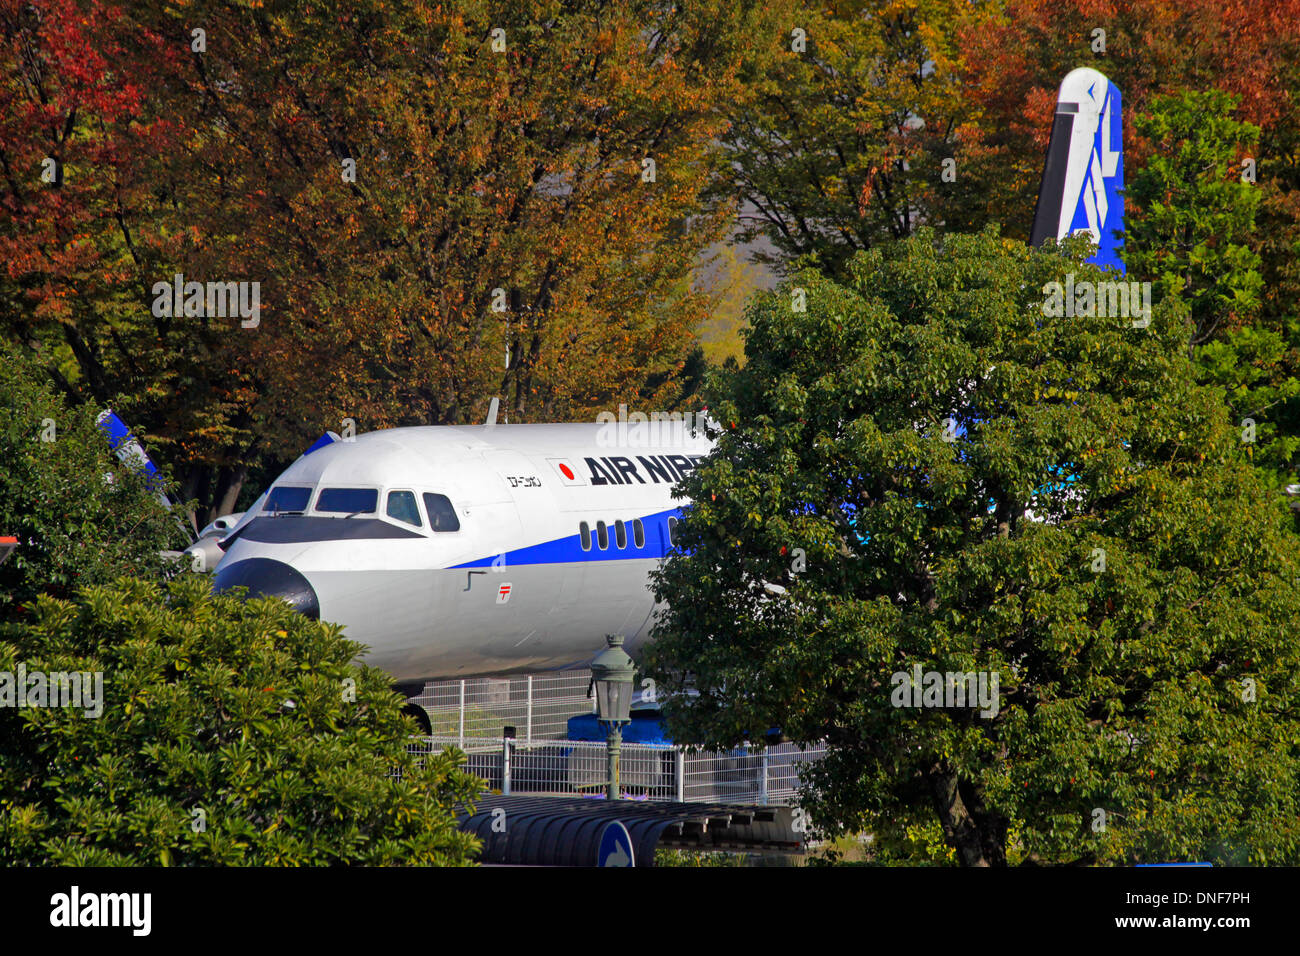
(229, 484)
(978, 836)
(197, 481)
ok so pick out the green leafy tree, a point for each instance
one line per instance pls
(1191, 226)
(80, 516)
(927, 469)
(1192, 215)
(230, 733)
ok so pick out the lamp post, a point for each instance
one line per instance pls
(611, 676)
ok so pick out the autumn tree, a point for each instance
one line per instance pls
(1015, 61)
(75, 131)
(849, 139)
(926, 470)
(439, 204)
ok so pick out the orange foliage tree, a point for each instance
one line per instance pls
(418, 190)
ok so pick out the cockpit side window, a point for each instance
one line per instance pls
(442, 516)
(402, 506)
(284, 498)
(348, 500)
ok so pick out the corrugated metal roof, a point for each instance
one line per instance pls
(565, 831)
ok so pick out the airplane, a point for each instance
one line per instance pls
(459, 551)
(414, 538)
(455, 551)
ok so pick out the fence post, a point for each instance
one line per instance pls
(528, 721)
(762, 782)
(462, 713)
(679, 770)
(505, 764)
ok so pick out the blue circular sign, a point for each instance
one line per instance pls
(615, 846)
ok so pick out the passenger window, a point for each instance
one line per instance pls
(585, 530)
(602, 535)
(672, 531)
(402, 506)
(638, 532)
(442, 516)
(620, 534)
(348, 500)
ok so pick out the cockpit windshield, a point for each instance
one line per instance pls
(285, 499)
(401, 505)
(348, 500)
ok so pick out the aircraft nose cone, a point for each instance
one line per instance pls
(263, 576)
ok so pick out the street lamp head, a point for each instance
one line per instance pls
(611, 674)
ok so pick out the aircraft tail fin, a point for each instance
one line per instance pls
(131, 453)
(1083, 177)
(129, 450)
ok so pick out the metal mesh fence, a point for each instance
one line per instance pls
(472, 713)
(745, 775)
(537, 706)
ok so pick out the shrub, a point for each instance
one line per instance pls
(230, 733)
(80, 516)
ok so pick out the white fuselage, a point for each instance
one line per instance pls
(513, 587)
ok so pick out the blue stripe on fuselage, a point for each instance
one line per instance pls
(568, 550)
